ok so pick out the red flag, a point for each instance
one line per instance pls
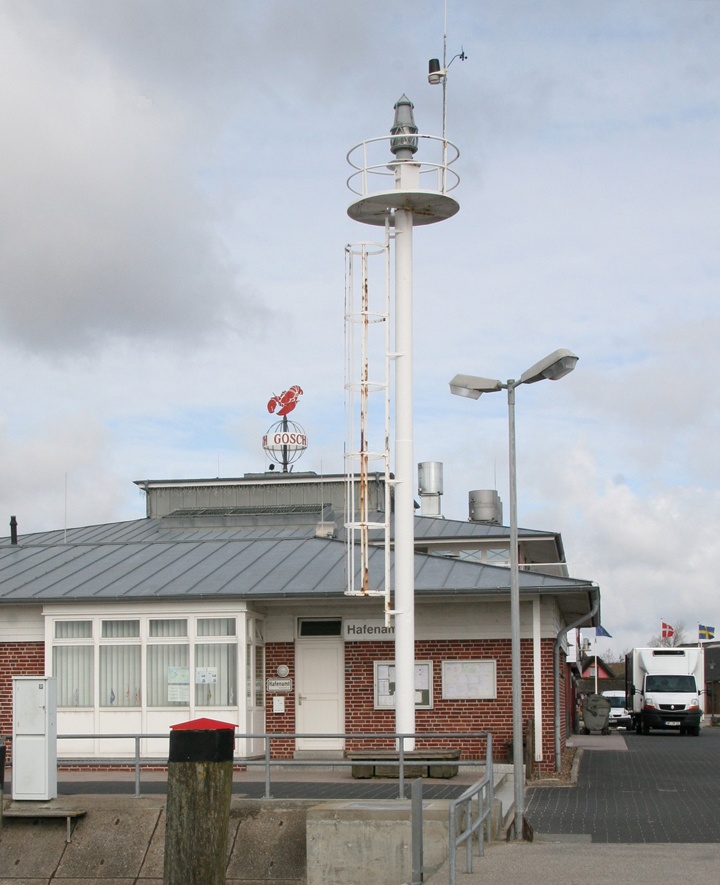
(666, 631)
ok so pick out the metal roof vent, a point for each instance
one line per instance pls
(485, 506)
(325, 529)
(430, 487)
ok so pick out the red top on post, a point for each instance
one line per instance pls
(203, 724)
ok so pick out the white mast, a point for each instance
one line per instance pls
(417, 194)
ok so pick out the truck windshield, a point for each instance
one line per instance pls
(670, 683)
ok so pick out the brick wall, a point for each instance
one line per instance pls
(17, 659)
(277, 653)
(494, 716)
(28, 659)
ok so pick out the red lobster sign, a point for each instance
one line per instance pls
(286, 402)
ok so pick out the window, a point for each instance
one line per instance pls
(255, 664)
(72, 663)
(216, 663)
(325, 627)
(143, 662)
(73, 669)
(168, 675)
(120, 680)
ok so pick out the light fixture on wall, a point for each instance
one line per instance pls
(283, 670)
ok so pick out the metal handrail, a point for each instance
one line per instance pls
(138, 761)
(480, 792)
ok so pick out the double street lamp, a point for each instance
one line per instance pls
(553, 367)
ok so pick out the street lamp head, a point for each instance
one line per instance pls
(472, 386)
(553, 367)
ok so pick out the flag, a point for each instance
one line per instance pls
(601, 631)
(705, 632)
(666, 631)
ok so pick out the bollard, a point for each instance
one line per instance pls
(197, 814)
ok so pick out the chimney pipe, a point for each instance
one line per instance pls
(13, 530)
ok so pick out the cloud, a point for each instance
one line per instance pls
(104, 232)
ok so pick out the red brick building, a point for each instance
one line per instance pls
(228, 600)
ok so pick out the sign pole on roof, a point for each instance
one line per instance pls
(285, 441)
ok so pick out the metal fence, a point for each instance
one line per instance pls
(472, 810)
(404, 760)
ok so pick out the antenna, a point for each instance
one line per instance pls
(438, 75)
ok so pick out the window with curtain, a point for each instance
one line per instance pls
(120, 677)
(100, 661)
(216, 674)
(120, 629)
(73, 630)
(168, 675)
(216, 627)
(73, 669)
(167, 627)
(259, 675)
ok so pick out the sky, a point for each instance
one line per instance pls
(173, 226)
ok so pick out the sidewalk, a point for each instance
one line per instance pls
(577, 863)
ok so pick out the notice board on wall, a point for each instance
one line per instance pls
(385, 685)
(469, 680)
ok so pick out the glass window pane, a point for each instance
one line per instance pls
(120, 676)
(321, 628)
(249, 675)
(168, 676)
(73, 669)
(120, 629)
(216, 675)
(259, 626)
(168, 627)
(259, 676)
(216, 627)
(73, 629)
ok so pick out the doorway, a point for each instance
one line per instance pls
(319, 693)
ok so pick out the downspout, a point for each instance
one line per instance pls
(556, 669)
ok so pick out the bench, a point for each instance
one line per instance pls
(417, 763)
(36, 813)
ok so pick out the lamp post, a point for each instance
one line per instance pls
(553, 367)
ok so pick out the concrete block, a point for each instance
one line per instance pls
(31, 849)
(270, 842)
(109, 843)
(360, 842)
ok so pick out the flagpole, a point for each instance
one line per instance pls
(596, 663)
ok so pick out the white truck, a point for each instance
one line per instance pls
(619, 713)
(664, 687)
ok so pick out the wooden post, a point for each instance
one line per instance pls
(199, 787)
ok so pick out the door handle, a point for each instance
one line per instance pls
(301, 698)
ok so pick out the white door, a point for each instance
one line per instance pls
(320, 694)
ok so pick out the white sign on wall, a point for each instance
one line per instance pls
(366, 630)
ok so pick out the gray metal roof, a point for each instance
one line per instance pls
(148, 560)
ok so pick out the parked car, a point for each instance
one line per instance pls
(619, 714)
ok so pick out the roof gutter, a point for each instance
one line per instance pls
(595, 596)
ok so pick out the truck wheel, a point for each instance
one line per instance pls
(645, 728)
(695, 732)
